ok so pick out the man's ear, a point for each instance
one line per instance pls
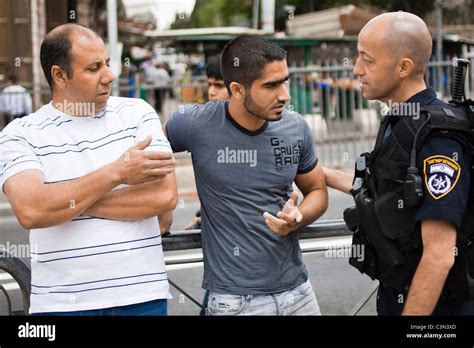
(59, 76)
(406, 67)
(238, 90)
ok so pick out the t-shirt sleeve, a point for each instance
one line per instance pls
(308, 158)
(178, 128)
(444, 165)
(16, 153)
(150, 124)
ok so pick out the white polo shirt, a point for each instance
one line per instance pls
(88, 262)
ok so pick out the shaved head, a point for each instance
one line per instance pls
(394, 51)
(405, 35)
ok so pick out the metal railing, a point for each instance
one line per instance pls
(326, 231)
(344, 125)
(21, 273)
(184, 240)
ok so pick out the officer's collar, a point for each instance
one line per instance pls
(425, 97)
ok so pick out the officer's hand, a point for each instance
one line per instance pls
(288, 219)
(138, 165)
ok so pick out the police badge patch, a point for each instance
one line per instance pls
(441, 175)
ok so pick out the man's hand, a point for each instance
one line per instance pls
(137, 165)
(288, 219)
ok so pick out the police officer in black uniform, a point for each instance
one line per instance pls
(416, 249)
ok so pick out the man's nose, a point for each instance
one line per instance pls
(283, 93)
(108, 77)
(358, 71)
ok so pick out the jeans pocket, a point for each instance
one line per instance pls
(221, 304)
(305, 288)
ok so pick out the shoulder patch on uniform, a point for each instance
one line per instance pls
(441, 175)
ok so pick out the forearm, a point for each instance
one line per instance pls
(439, 241)
(314, 204)
(166, 220)
(54, 204)
(338, 179)
(39, 205)
(425, 288)
(136, 202)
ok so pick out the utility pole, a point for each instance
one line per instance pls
(38, 28)
(268, 16)
(112, 35)
(439, 41)
(256, 6)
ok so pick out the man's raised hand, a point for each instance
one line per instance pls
(288, 219)
(138, 165)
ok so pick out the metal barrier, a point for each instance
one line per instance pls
(325, 229)
(178, 240)
(20, 271)
(184, 240)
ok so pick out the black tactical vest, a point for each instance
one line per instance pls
(387, 231)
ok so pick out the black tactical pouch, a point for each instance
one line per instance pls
(386, 249)
(366, 264)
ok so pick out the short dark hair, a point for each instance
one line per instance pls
(244, 58)
(213, 67)
(13, 78)
(56, 49)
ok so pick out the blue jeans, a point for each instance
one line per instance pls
(150, 308)
(205, 301)
(300, 300)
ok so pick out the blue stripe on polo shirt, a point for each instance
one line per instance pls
(96, 281)
(102, 253)
(18, 138)
(86, 148)
(97, 246)
(30, 160)
(53, 124)
(85, 141)
(39, 124)
(105, 287)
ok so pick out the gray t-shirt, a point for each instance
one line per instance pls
(239, 175)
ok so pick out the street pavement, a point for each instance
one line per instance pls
(338, 286)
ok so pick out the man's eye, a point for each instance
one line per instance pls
(93, 68)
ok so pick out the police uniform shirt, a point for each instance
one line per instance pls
(443, 163)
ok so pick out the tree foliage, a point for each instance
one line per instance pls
(211, 13)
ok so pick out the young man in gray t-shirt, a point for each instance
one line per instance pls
(246, 154)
